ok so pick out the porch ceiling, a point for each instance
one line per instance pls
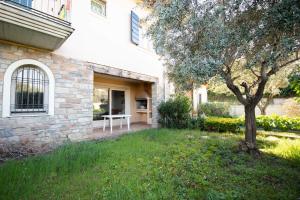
(121, 73)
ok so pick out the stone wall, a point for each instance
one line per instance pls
(155, 103)
(73, 101)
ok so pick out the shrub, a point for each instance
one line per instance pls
(214, 109)
(196, 123)
(275, 122)
(219, 124)
(295, 85)
(175, 113)
(268, 123)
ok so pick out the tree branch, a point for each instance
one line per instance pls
(247, 90)
(262, 81)
(260, 89)
(262, 105)
(275, 69)
(234, 78)
(253, 72)
(229, 82)
(254, 83)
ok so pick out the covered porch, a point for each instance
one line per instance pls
(122, 102)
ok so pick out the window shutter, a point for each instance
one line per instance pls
(135, 23)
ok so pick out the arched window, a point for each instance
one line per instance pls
(29, 90)
(28, 87)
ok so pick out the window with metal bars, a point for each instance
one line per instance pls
(29, 90)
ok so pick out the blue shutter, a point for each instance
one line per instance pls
(135, 23)
(27, 3)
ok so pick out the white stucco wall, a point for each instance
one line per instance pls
(196, 96)
(106, 40)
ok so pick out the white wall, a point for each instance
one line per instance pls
(106, 40)
(278, 107)
(196, 94)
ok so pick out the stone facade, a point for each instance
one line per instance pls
(73, 100)
(155, 103)
(72, 119)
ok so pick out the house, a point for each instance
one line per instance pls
(65, 64)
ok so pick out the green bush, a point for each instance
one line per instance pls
(214, 109)
(275, 122)
(268, 123)
(219, 124)
(196, 123)
(175, 113)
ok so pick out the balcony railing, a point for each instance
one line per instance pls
(38, 23)
(57, 8)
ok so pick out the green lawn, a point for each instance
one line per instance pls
(158, 164)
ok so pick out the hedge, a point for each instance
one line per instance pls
(219, 124)
(268, 123)
(275, 122)
(175, 113)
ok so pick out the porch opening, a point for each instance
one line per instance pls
(121, 96)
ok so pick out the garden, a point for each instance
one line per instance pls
(158, 164)
(207, 154)
(175, 113)
(191, 158)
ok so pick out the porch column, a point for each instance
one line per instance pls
(155, 103)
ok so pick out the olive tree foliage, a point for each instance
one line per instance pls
(200, 39)
(275, 82)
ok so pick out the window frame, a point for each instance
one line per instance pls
(41, 82)
(99, 2)
(111, 87)
(7, 88)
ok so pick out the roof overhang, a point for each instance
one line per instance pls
(117, 72)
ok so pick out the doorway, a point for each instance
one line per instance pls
(110, 100)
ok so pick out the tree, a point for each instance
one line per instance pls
(276, 82)
(295, 84)
(201, 39)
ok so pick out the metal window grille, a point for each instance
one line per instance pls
(30, 85)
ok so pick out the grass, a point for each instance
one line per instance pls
(158, 164)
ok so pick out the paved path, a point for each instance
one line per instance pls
(99, 134)
(285, 135)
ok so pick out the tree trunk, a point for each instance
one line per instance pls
(250, 123)
(264, 103)
(263, 110)
(249, 144)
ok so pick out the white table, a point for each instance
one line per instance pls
(111, 117)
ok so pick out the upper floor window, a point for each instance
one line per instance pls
(98, 7)
(29, 90)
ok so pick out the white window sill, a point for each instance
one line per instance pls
(28, 115)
